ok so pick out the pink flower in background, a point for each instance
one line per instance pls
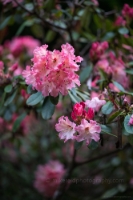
(66, 128)
(104, 65)
(18, 44)
(120, 21)
(97, 50)
(53, 72)
(11, 1)
(88, 131)
(48, 177)
(95, 103)
(130, 121)
(95, 2)
(127, 11)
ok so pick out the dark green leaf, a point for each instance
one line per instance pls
(129, 128)
(110, 193)
(10, 99)
(85, 73)
(130, 139)
(77, 145)
(48, 109)
(119, 86)
(54, 100)
(107, 108)
(114, 115)
(93, 145)
(17, 122)
(106, 130)
(8, 88)
(129, 71)
(34, 99)
(5, 22)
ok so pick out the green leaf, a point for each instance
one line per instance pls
(123, 30)
(130, 63)
(10, 99)
(4, 23)
(54, 100)
(17, 122)
(119, 86)
(114, 115)
(73, 95)
(129, 128)
(8, 88)
(26, 23)
(77, 145)
(48, 109)
(106, 130)
(110, 193)
(34, 99)
(85, 73)
(129, 71)
(93, 145)
(29, 89)
(107, 108)
(108, 36)
(130, 139)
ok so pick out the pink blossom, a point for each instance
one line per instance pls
(66, 128)
(130, 121)
(1, 65)
(48, 177)
(127, 11)
(120, 21)
(19, 44)
(88, 131)
(97, 50)
(104, 65)
(95, 103)
(53, 72)
(89, 114)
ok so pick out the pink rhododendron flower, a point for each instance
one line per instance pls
(18, 44)
(97, 50)
(120, 21)
(53, 72)
(104, 65)
(66, 128)
(127, 11)
(95, 103)
(130, 121)
(48, 177)
(80, 113)
(88, 131)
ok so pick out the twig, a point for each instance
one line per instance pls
(39, 17)
(62, 187)
(100, 157)
(119, 129)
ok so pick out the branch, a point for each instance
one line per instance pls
(62, 187)
(100, 157)
(39, 17)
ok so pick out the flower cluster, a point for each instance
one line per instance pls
(48, 177)
(97, 50)
(127, 11)
(84, 125)
(53, 72)
(127, 14)
(115, 67)
(120, 21)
